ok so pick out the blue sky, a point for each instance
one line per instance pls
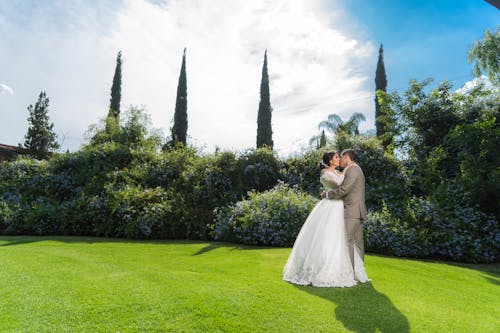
(424, 38)
(322, 56)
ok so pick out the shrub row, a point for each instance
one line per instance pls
(424, 229)
(121, 185)
(118, 190)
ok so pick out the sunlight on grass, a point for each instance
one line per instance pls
(70, 284)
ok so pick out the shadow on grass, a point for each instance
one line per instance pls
(208, 248)
(490, 272)
(233, 246)
(494, 280)
(490, 269)
(363, 309)
(20, 240)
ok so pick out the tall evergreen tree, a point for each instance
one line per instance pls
(322, 140)
(384, 118)
(116, 89)
(40, 141)
(380, 84)
(179, 130)
(319, 140)
(264, 129)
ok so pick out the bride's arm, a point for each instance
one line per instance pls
(333, 178)
(346, 187)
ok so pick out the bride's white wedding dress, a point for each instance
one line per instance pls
(320, 256)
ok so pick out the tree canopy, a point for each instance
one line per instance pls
(40, 141)
(485, 54)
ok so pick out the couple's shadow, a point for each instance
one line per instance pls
(363, 309)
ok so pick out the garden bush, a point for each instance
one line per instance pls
(122, 185)
(259, 169)
(27, 206)
(303, 171)
(444, 227)
(457, 229)
(131, 212)
(273, 217)
(384, 232)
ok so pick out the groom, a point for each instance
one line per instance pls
(352, 191)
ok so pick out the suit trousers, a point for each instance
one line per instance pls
(354, 231)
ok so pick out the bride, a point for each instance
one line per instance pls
(320, 255)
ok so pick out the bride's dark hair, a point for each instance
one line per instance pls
(325, 161)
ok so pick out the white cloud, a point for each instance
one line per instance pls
(6, 90)
(316, 68)
(470, 85)
(310, 66)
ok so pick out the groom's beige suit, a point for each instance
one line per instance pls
(352, 192)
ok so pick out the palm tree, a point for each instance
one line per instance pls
(335, 125)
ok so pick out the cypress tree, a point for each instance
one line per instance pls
(40, 141)
(116, 89)
(380, 84)
(179, 130)
(322, 139)
(264, 130)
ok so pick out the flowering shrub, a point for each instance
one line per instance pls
(456, 230)
(21, 178)
(451, 230)
(273, 217)
(25, 207)
(386, 233)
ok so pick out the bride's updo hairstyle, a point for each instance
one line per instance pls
(325, 161)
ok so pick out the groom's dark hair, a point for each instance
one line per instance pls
(352, 154)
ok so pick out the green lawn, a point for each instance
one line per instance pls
(70, 284)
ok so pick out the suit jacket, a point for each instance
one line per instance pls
(352, 191)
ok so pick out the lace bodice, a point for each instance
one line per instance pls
(331, 180)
